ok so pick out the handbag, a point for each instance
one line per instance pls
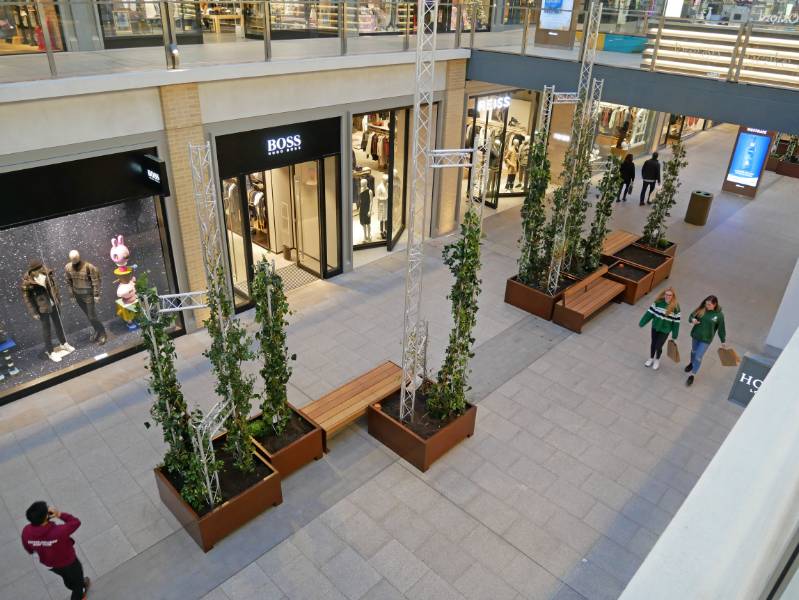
(672, 351)
(729, 357)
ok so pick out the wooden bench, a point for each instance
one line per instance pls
(334, 411)
(618, 239)
(584, 299)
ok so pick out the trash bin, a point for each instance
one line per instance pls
(698, 207)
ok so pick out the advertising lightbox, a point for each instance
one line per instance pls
(747, 161)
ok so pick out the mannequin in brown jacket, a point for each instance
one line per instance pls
(40, 293)
(83, 278)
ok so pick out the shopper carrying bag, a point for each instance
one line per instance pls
(665, 316)
(707, 320)
(627, 173)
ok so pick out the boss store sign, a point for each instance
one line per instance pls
(265, 149)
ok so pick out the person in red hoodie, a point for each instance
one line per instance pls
(54, 545)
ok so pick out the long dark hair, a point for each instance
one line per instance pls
(628, 158)
(699, 312)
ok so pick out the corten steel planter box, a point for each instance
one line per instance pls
(789, 169)
(661, 271)
(670, 250)
(771, 163)
(418, 451)
(530, 299)
(634, 289)
(298, 453)
(226, 518)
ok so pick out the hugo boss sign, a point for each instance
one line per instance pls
(264, 149)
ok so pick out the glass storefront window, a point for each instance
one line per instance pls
(67, 288)
(125, 20)
(378, 176)
(624, 129)
(680, 127)
(21, 28)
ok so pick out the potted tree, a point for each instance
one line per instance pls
(776, 152)
(288, 439)
(789, 163)
(442, 415)
(238, 483)
(654, 235)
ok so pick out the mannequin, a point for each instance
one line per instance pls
(365, 210)
(40, 293)
(524, 160)
(381, 194)
(512, 163)
(83, 279)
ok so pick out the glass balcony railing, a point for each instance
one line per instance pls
(43, 39)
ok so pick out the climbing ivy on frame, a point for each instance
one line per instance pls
(447, 397)
(271, 311)
(608, 192)
(230, 347)
(169, 407)
(666, 197)
(532, 260)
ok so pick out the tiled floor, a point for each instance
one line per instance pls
(580, 458)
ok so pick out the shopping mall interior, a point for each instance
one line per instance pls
(296, 223)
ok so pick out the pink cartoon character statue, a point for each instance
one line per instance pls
(127, 301)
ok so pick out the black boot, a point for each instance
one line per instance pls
(688, 368)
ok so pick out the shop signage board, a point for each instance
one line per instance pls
(557, 24)
(751, 373)
(69, 187)
(493, 103)
(747, 161)
(264, 149)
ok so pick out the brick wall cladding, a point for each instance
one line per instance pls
(451, 138)
(180, 105)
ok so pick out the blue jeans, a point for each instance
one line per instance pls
(698, 349)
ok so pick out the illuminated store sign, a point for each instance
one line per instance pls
(493, 102)
(283, 144)
(153, 176)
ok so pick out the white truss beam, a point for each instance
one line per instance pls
(187, 301)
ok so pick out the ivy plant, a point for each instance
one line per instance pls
(608, 192)
(230, 347)
(271, 312)
(447, 397)
(532, 263)
(655, 229)
(790, 149)
(169, 409)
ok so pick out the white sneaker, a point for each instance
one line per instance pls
(649, 362)
(68, 347)
(656, 365)
(54, 356)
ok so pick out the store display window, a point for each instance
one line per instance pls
(623, 129)
(70, 262)
(379, 153)
(505, 121)
(132, 24)
(680, 127)
(281, 200)
(21, 28)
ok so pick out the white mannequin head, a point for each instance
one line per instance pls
(385, 178)
(516, 143)
(364, 185)
(74, 257)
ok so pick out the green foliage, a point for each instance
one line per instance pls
(577, 186)
(230, 347)
(257, 428)
(790, 150)
(665, 198)
(271, 310)
(533, 262)
(447, 397)
(169, 407)
(608, 192)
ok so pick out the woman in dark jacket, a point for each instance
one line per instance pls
(627, 173)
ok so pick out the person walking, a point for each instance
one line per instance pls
(650, 175)
(707, 320)
(665, 316)
(627, 174)
(54, 545)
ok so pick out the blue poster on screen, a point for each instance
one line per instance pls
(748, 159)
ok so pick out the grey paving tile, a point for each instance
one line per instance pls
(28, 587)
(495, 451)
(530, 579)
(351, 574)
(535, 448)
(642, 542)
(433, 587)
(575, 532)
(570, 497)
(491, 512)
(455, 486)
(318, 542)
(593, 582)
(301, 579)
(568, 468)
(494, 481)
(534, 507)
(614, 559)
(108, 550)
(542, 547)
(611, 523)
(407, 526)
(495, 425)
(477, 583)
(489, 549)
(280, 557)
(216, 594)
(384, 591)
(606, 490)
(373, 500)
(251, 583)
(531, 474)
(444, 557)
(362, 533)
(16, 562)
(415, 493)
(398, 566)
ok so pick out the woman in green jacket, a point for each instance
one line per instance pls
(665, 316)
(707, 321)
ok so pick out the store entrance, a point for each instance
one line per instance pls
(288, 215)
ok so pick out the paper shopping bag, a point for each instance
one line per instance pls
(729, 357)
(673, 351)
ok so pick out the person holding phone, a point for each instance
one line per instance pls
(665, 316)
(53, 544)
(707, 320)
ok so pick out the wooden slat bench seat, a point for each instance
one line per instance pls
(618, 239)
(581, 301)
(334, 411)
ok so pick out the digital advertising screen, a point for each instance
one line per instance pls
(556, 15)
(748, 158)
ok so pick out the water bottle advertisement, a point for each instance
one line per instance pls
(556, 15)
(748, 158)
